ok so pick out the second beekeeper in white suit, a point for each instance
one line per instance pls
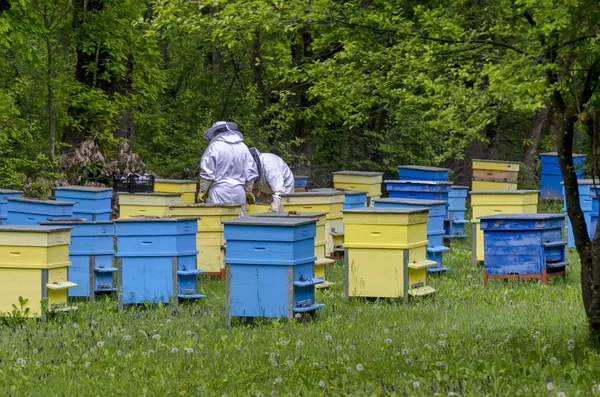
(274, 178)
(227, 169)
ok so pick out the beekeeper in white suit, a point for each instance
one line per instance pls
(274, 178)
(227, 169)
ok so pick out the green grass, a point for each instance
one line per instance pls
(511, 338)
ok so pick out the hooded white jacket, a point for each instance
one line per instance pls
(275, 179)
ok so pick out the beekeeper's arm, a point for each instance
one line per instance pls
(207, 172)
(274, 177)
(251, 175)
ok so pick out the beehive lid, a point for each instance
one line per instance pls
(312, 193)
(419, 182)
(10, 191)
(339, 191)
(459, 187)
(33, 201)
(73, 221)
(84, 188)
(150, 194)
(204, 205)
(292, 214)
(556, 154)
(33, 229)
(498, 161)
(360, 173)
(528, 217)
(178, 181)
(154, 219)
(410, 201)
(585, 182)
(386, 210)
(503, 191)
(270, 221)
(423, 168)
(300, 177)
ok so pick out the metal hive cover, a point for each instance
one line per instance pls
(6, 191)
(84, 188)
(419, 182)
(33, 201)
(409, 201)
(290, 214)
(361, 173)
(340, 191)
(35, 229)
(422, 168)
(380, 210)
(270, 221)
(155, 219)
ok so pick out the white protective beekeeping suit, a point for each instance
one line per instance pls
(227, 169)
(275, 178)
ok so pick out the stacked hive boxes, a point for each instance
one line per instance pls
(523, 246)
(421, 173)
(421, 190)
(210, 242)
(186, 188)
(91, 203)
(270, 267)
(322, 262)
(31, 212)
(146, 204)
(91, 253)
(157, 260)
(33, 265)
(494, 202)
(369, 182)
(495, 175)
(386, 253)
(4, 194)
(457, 207)
(300, 183)
(551, 176)
(330, 202)
(585, 187)
(352, 198)
(435, 226)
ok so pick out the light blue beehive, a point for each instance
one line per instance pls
(435, 226)
(91, 253)
(157, 259)
(457, 206)
(4, 194)
(91, 203)
(585, 201)
(420, 190)
(352, 198)
(523, 246)
(422, 173)
(270, 267)
(551, 176)
(31, 212)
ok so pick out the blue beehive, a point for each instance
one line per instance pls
(421, 190)
(300, 183)
(157, 259)
(585, 200)
(91, 253)
(421, 173)
(4, 194)
(22, 211)
(454, 225)
(270, 267)
(352, 198)
(91, 203)
(551, 176)
(435, 225)
(523, 246)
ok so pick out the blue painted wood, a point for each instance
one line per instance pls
(93, 216)
(300, 181)
(4, 194)
(270, 252)
(269, 229)
(418, 186)
(551, 176)
(522, 243)
(79, 273)
(352, 198)
(584, 187)
(422, 173)
(87, 200)
(458, 191)
(455, 228)
(31, 212)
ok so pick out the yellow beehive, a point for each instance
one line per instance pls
(146, 204)
(485, 185)
(369, 182)
(386, 252)
(329, 202)
(186, 188)
(209, 239)
(260, 208)
(34, 265)
(493, 202)
(495, 175)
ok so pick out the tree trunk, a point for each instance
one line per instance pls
(50, 99)
(535, 132)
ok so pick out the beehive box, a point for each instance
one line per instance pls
(34, 262)
(91, 253)
(209, 238)
(523, 246)
(300, 183)
(386, 250)
(260, 208)
(494, 202)
(91, 203)
(31, 212)
(185, 187)
(551, 176)
(369, 182)
(330, 202)
(322, 263)
(4, 194)
(495, 175)
(435, 225)
(420, 190)
(270, 267)
(422, 173)
(352, 198)
(454, 225)
(157, 260)
(585, 188)
(146, 204)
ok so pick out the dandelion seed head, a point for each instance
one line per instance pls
(92, 350)
(188, 350)
(119, 352)
(416, 385)
(561, 394)
(315, 364)
(126, 337)
(38, 364)
(352, 347)
(289, 363)
(144, 354)
(188, 333)
(87, 364)
(100, 343)
(278, 379)
(443, 336)
(338, 348)
(283, 342)
(35, 351)
(408, 361)
(84, 356)
(359, 367)
(75, 325)
(550, 386)
(321, 383)
(174, 349)
(299, 343)
(404, 352)
(348, 369)
(94, 323)
(109, 334)
(388, 341)
(328, 337)
(156, 337)
(387, 331)
(553, 360)
(478, 337)
(21, 361)
(427, 346)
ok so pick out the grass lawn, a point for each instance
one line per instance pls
(511, 338)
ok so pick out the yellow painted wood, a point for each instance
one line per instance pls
(487, 185)
(320, 250)
(322, 267)
(210, 258)
(26, 283)
(338, 239)
(479, 246)
(518, 197)
(58, 297)
(496, 176)
(209, 238)
(400, 236)
(199, 210)
(129, 211)
(495, 165)
(422, 264)
(41, 257)
(334, 210)
(373, 190)
(484, 210)
(299, 189)
(371, 217)
(186, 188)
(422, 291)
(258, 208)
(159, 199)
(369, 178)
(15, 238)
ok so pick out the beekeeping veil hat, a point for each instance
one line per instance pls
(218, 127)
(256, 156)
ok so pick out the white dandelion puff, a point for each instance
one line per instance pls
(328, 337)
(550, 386)
(126, 337)
(321, 383)
(299, 343)
(388, 341)
(404, 352)
(100, 343)
(359, 367)
(156, 337)
(561, 394)
(188, 350)
(278, 379)
(21, 361)
(289, 363)
(416, 385)
(174, 349)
